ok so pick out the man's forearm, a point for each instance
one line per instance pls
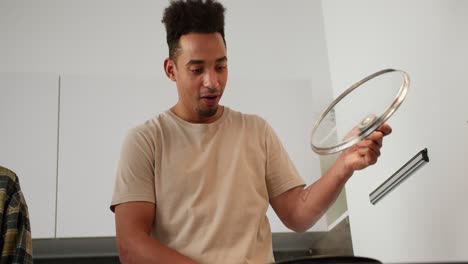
(315, 200)
(142, 248)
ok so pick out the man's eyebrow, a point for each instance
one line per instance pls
(195, 62)
(222, 59)
(192, 62)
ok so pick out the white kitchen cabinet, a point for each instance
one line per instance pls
(97, 111)
(95, 114)
(423, 219)
(28, 129)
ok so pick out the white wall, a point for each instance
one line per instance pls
(82, 36)
(271, 40)
(268, 40)
(28, 142)
(425, 218)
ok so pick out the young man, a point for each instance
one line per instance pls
(194, 183)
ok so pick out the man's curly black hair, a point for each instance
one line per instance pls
(191, 16)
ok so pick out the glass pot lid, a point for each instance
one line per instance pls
(359, 111)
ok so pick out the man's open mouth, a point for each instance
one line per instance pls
(210, 99)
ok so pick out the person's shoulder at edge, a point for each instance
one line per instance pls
(7, 172)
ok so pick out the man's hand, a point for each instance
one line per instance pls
(365, 152)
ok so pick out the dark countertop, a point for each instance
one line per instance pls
(285, 246)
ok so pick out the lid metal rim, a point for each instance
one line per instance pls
(377, 123)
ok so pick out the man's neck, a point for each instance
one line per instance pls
(195, 118)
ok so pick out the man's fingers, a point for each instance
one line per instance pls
(367, 151)
(373, 145)
(385, 129)
(368, 155)
(376, 136)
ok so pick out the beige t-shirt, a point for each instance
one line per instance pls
(211, 183)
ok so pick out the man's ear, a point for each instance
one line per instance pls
(169, 68)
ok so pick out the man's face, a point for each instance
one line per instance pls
(200, 72)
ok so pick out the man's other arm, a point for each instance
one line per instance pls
(134, 221)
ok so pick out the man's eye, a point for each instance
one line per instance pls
(197, 71)
(221, 68)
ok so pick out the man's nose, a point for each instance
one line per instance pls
(211, 80)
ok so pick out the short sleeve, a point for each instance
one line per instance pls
(281, 174)
(135, 170)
